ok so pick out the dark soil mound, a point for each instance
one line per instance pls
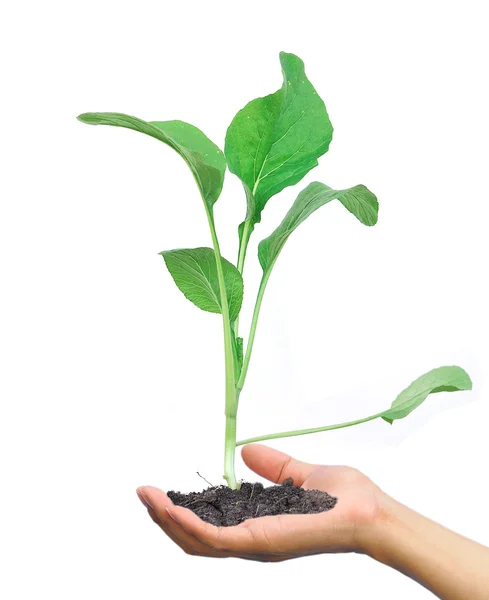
(221, 505)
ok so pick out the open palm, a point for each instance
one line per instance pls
(275, 538)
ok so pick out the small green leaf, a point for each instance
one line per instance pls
(359, 200)
(239, 350)
(204, 158)
(195, 273)
(237, 353)
(273, 142)
(442, 379)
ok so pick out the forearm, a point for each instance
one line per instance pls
(450, 565)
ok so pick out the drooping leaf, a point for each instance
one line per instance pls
(442, 379)
(204, 158)
(273, 142)
(359, 200)
(195, 273)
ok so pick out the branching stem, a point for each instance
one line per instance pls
(254, 323)
(243, 246)
(283, 434)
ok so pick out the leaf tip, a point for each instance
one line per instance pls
(289, 56)
(464, 382)
(374, 220)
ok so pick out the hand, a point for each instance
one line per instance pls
(345, 528)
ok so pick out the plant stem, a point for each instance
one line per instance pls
(229, 452)
(231, 400)
(243, 246)
(283, 434)
(254, 323)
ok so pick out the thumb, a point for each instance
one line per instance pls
(275, 465)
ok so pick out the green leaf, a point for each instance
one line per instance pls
(442, 379)
(359, 200)
(273, 142)
(204, 158)
(239, 351)
(195, 273)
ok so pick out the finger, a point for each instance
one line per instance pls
(150, 496)
(167, 531)
(274, 465)
(163, 509)
(187, 521)
(156, 501)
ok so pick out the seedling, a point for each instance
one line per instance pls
(272, 143)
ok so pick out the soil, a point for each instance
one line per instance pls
(223, 506)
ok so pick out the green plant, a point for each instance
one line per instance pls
(272, 143)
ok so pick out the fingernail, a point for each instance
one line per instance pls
(171, 515)
(144, 499)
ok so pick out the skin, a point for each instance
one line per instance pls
(365, 520)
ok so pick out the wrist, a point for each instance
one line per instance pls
(376, 537)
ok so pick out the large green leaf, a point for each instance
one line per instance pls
(273, 142)
(204, 158)
(195, 273)
(442, 379)
(359, 200)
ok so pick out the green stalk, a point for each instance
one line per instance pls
(243, 246)
(231, 399)
(254, 323)
(283, 434)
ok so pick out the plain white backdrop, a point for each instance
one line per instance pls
(110, 379)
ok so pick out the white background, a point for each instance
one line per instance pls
(110, 379)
